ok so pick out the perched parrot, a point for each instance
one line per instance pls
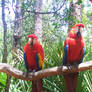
(73, 54)
(34, 59)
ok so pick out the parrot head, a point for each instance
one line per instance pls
(76, 30)
(32, 39)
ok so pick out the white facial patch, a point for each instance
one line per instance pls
(30, 39)
(81, 30)
(76, 30)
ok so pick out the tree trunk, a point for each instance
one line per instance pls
(17, 25)
(38, 20)
(5, 32)
(16, 37)
(75, 13)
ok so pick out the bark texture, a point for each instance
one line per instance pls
(44, 73)
(38, 20)
(5, 32)
(75, 13)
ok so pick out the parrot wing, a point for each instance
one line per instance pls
(83, 51)
(65, 54)
(25, 61)
(39, 62)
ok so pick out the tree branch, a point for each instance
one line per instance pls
(49, 12)
(44, 73)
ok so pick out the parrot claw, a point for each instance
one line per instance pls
(34, 71)
(26, 74)
(75, 65)
(69, 66)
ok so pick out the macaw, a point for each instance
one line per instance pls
(34, 60)
(74, 51)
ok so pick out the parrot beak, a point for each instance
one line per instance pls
(79, 33)
(32, 43)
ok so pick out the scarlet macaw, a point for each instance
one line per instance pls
(34, 59)
(73, 54)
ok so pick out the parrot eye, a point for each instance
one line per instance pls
(34, 41)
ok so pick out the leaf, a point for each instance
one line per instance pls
(13, 1)
(71, 1)
(79, 2)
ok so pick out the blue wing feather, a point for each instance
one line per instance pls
(65, 55)
(82, 55)
(25, 61)
(37, 62)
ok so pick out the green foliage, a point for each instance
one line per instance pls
(71, 1)
(54, 58)
(53, 37)
(20, 86)
(88, 81)
(79, 2)
(2, 82)
(84, 19)
(80, 85)
(13, 1)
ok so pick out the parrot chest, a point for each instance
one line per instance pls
(31, 52)
(75, 50)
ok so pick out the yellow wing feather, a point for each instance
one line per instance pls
(41, 62)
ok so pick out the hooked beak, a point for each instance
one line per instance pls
(79, 33)
(32, 43)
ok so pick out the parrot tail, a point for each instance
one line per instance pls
(37, 86)
(71, 82)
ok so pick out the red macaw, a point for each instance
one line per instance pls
(73, 54)
(34, 59)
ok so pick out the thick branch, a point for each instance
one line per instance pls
(44, 73)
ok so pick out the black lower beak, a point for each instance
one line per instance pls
(32, 43)
(78, 34)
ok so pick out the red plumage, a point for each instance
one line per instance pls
(30, 55)
(33, 36)
(31, 52)
(75, 52)
(78, 25)
(74, 55)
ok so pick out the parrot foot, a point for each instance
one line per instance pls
(26, 74)
(69, 66)
(29, 71)
(75, 65)
(32, 71)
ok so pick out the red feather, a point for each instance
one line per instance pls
(33, 36)
(74, 55)
(78, 25)
(30, 56)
